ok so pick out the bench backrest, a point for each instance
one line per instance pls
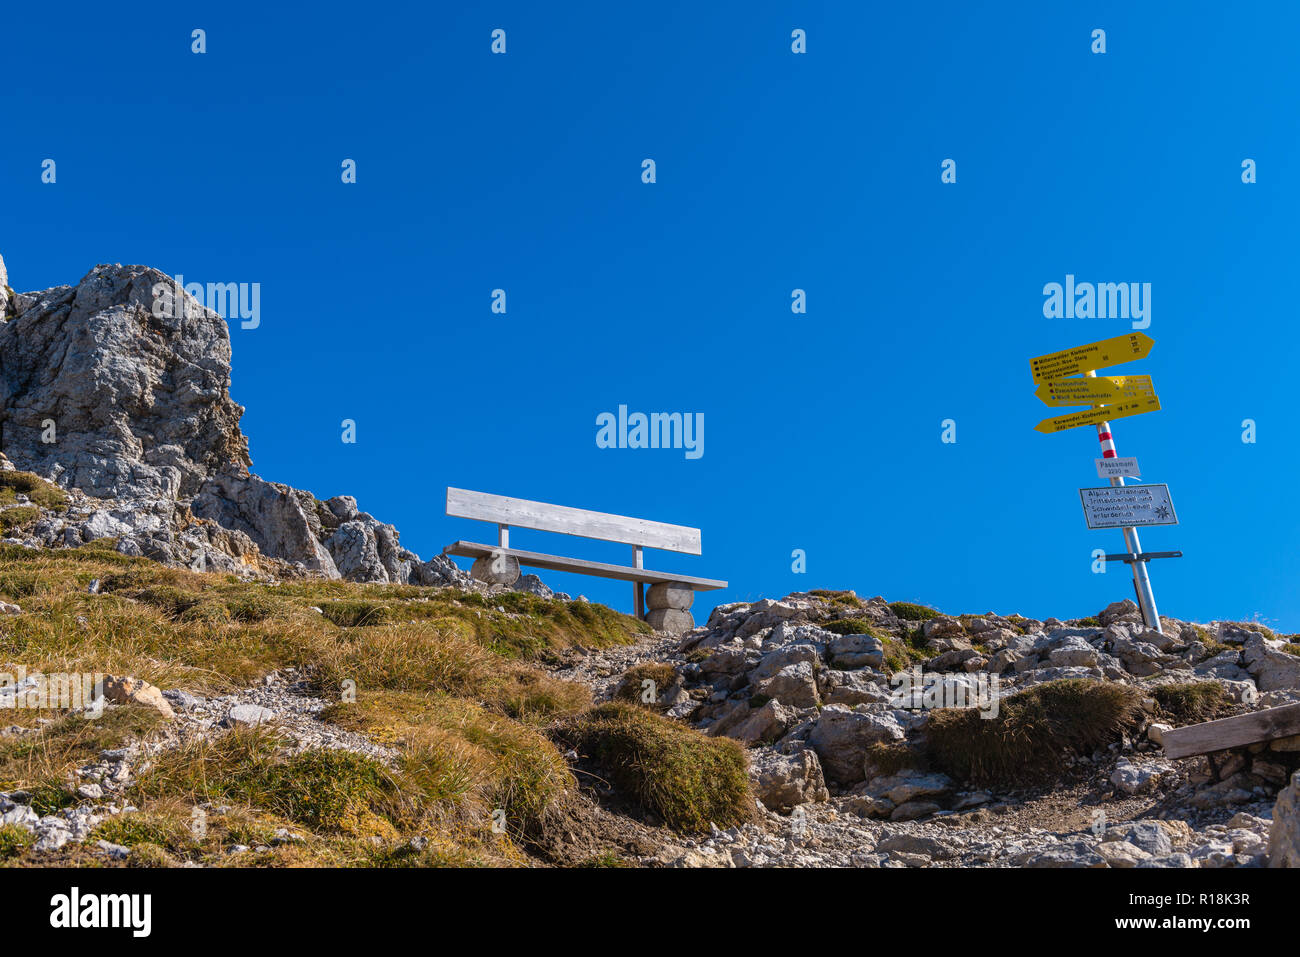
(522, 513)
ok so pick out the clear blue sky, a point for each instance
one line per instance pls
(775, 171)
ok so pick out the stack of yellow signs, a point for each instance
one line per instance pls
(1061, 382)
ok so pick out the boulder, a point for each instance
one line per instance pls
(1273, 670)
(767, 723)
(856, 651)
(1126, 610)
(1284, 836)
(141, 400)
(794, 685)
(841, 738)
(783, 782)
(128, 690)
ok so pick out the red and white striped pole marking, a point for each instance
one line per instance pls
(1141, 580)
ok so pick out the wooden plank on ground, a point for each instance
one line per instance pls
(1233, 732)
(580, 565)
(462, 503)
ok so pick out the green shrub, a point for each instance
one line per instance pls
(14, 840)
(909, 611)
(850, 626)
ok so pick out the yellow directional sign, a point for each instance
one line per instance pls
(1095, 355)
(1095, 391)
(1120, 410)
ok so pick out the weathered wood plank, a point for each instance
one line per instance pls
(581, 566)
(1233, 732)
(462, 503)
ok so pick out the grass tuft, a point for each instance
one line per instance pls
(687, 779)
(1032, 730)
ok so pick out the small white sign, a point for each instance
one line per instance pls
(1118, 468)
(1127, 506)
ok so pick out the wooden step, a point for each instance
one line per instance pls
(1233, 732)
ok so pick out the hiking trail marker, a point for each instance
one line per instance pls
(1085, 391)
(1070, 378)
(1099, 415)
(1095, 355)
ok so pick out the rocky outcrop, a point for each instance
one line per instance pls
(101, 391)
(1284, 837)
(117, 390)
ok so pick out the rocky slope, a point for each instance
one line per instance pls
(841, 757)
(121, 396)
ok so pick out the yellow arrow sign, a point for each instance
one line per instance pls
(1120, 410)
(1095, 391)
(1095, 355)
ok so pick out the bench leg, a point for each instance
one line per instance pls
(670, 607)
(640, 599)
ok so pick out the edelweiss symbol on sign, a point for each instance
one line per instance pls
(1162, 511)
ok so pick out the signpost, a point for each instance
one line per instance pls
(1127, 506)
(1085, 391)
(1126, 467)
(1099, 415)
(1095, 355)
(1111, 397)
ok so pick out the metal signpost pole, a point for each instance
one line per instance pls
(1141, 580)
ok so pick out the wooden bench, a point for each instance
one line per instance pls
(671, 594)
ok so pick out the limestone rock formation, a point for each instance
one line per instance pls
(117, 390)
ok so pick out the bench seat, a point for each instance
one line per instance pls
(582, 566)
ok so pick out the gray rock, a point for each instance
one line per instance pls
(1284, 835)
(1147, 835)
(841, 738)
(1073, 855)
(914, 810)
(794, 685)
(116, 851)
(856, 651)
(532, 585)
(248, 715)
(123, 375)
(1136, 779)
(1273, 670)
(783, 782)
(1126, 610)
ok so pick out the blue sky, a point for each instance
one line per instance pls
(775, 171)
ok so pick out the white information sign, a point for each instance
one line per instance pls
(1128, 506)
(1118, 468)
